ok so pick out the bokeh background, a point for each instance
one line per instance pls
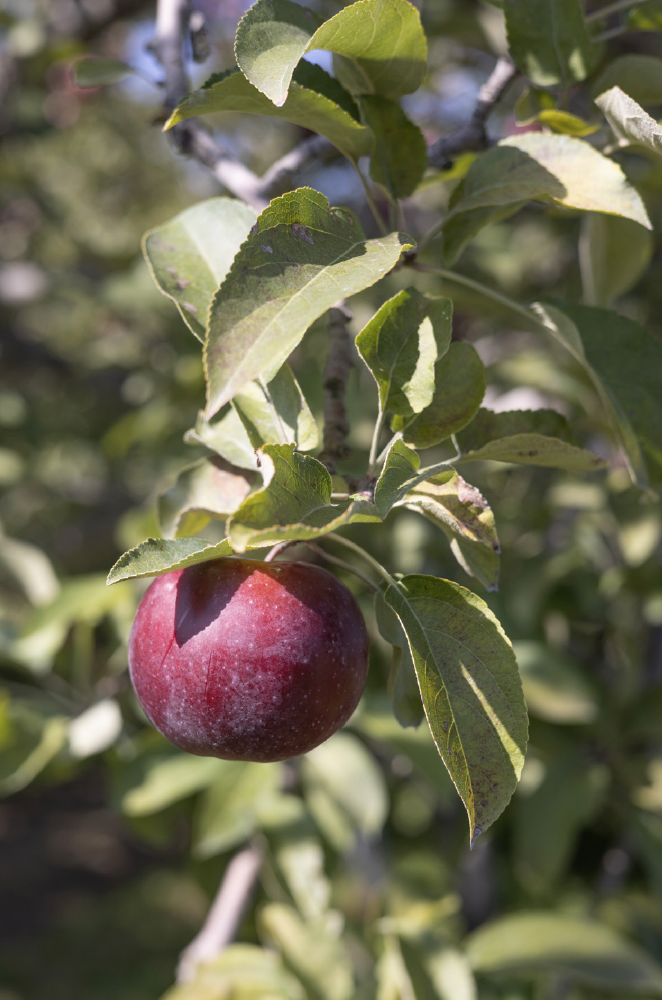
(111, 843)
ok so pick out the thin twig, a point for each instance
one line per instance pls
(342, 565)
(336, 374)
(612, 8)
(225, 914)
(473, 136)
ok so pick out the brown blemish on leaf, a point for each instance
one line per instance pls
(302, 232)
(469, 494)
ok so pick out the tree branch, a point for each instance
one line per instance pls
(336, 374)
(473, 136)
(225, 914)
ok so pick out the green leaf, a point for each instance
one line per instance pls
(488, 425)
(348, 773)
(190, 255)
(226, 435)
(312, 949)
(638, 76)
(155, 556)
(554, 687)
(297, 852)
(399, 472)
(560, 168)
(43, 746)
(157, 780)
(459, 390)
(394, 132)
(548, 821)
(97, 71)
(624, 363)
(629, 122)
(228, 812)
(536, 449)
(380, 44)
(242, 972)
(581, 949)
(277, 413)
(549, 41)
(304, 106)
(295, 503)
(613, 255)
(400, 346)
(210, 488)
(466, 518)
(271, 38)
(403, 688)
(565, 123)
(301, 257)
(460, 229)
(471, 690)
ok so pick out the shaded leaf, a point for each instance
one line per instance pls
(277, 413)
(488, 425)
(312, 949)
(629, 122)
(613, 255)
(400, 346)
(646, 18)
(460, 229)
(155, 556)
(295, 503)
(625, 364)
(582, 949)
(471, 690)
(399, 471)
(381, 45)
(558, 167)
(535, 449)
(37, 753)
(303, 257)
(210, 488)
(190, 255)
(97, 71)
(549, 41)
(303, 106)
(394, 131)
(638, 76)
(297, 852)
(466, 518)
(459, 387)
(403, 688)
(228, 812)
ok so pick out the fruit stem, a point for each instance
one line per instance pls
(343, 565)
(366, 555)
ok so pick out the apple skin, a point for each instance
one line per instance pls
(248, 660)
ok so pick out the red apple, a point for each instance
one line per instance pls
(248, 660)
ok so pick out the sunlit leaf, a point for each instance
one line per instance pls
(190, 255)
(304, 106)
(580, 949)
(471, 690)
(401, 344)
(295, 503)
(629, 122)
(241, 971)
(155, 556)
(313, 950)
(380, 44)
(549, 41)
(297, 852)
(303, 257)
(228, 812)
(277, 412)
(158, 780)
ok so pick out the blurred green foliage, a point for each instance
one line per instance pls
(113, 843)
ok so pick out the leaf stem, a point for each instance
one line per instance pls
(384, 452)
(343, 565)
(379, 423)
(612, 8)
(365, 555)
(371, 201)
(488, 293)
